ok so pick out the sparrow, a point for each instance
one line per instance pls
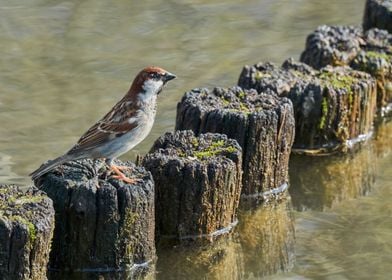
(125, 126)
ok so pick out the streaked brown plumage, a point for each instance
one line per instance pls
(122, 128)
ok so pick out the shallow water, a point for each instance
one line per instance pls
(65, 63)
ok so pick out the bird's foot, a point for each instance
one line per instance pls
(121, 176)
(122, 167)
(125, 179)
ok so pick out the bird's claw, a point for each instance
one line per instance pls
(123, 167)
(126, 179)
(121, 176)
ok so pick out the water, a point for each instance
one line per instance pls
(65, 63)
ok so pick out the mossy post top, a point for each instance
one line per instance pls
(185, 146)
(234, 100)
(332, 106)
(16, 206)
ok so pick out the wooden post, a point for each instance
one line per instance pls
(263, 124)
(334, 108)
(26, 229)
(345, 45)
(332, 45)
(102, 224)
(379, 65)
(378, 14)
(198, 185)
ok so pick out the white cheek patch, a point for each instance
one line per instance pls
(151, 88)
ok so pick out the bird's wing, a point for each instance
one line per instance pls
(120, 120)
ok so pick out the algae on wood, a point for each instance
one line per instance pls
(368, 51)
(333, 107)
(26, 229)
(263, 124)
(198, 184)
(379, 65)
(101, 223)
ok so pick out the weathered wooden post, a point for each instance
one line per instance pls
(263, 125)
(332, 45)
(102, 224)
(319, 183)
(378, 13)
(198, 185)
(379, 65)
(267, 235)
(334, 108)
(346, 45)
(26, 229)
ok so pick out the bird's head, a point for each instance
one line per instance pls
(149, 82)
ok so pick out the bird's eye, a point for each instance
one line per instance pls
(154, 75)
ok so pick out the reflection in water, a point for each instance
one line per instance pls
(352, 242)
(267, 236)
(7, 176)
(262, 244)
(220, 260)
(319, 183)
(130, 275)
(383, 146)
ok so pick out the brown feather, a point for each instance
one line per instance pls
(113, 124)
(116, 122)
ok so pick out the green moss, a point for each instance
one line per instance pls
(12, 208)
(32, 232)
(337, 81)
(225, 102)
(241, 94)
(28, 199)
(351, 98)
(365, 62)
(324, 113)
(240, 102)
(30, 227)
(125, 233)
(299, 74)
(3, 190)
(195, 142)
(244, 108)
(181, 154)
(214, 149)
(376, 55)
(260, 75)
(218, 144)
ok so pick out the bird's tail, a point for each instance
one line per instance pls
(47, 166)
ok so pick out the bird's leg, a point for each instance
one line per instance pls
(120, 176)
(123, 167)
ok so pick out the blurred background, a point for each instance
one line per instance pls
(64, 64)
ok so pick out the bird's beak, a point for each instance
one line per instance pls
(168, 76)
